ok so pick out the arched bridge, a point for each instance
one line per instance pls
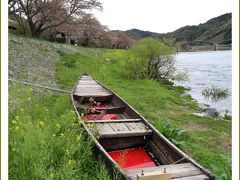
(198, 45)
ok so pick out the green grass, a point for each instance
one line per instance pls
(208, 141)
(46, 141)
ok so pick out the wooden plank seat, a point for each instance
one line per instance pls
(87, 86)
(122, 128)
(89, 93)
(183, 171)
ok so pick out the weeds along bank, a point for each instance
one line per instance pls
(46, 140)
(37, 119)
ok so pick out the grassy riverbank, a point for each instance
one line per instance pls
(35, 118)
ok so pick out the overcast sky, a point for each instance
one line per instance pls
(159, 15)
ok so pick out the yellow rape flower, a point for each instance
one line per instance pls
(90, 125)
(17, 117)
(58, 126)
(62, 135)
(41, 123)
(78, 138)
(51, 175)
(53, 135)
(70, 162)
(80, 121)
(17, 127)
(14, 122)
(67, 151)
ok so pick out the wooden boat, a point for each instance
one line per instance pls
(125, 140)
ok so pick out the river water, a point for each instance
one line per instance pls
(207, 69)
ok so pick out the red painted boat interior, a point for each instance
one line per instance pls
(96, 106)
(101, 117)
(132, 158)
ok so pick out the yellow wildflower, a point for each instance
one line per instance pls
(67, 151)
(78, 137)
(51, 175)
(41, 123)
(70, 162)
(29, 98)
(80, 121)
(62, 135)
(90, 125)
(17, 127)
(14, 122)
(17, 117)
(58, 126)
(53, 135)
(82, 115)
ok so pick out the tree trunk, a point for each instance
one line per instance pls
(35, 31)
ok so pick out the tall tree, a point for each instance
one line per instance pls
(46, 14)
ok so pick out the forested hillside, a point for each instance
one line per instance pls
(215, 30)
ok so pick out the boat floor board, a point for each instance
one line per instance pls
(177, 171)
(92, 90)
(86, 83)
(122, 129)
(197, 177)
(87, 86)
(119, 127)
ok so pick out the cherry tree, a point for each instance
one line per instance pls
(42, 15)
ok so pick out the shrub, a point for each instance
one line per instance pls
(150, 58)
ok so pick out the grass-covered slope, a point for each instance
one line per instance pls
(46, 141)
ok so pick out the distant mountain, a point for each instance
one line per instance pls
(215, 30)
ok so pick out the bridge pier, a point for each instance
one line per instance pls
(215, 47)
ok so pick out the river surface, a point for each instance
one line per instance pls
(207, 69)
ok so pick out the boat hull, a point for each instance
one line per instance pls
(130, 131)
